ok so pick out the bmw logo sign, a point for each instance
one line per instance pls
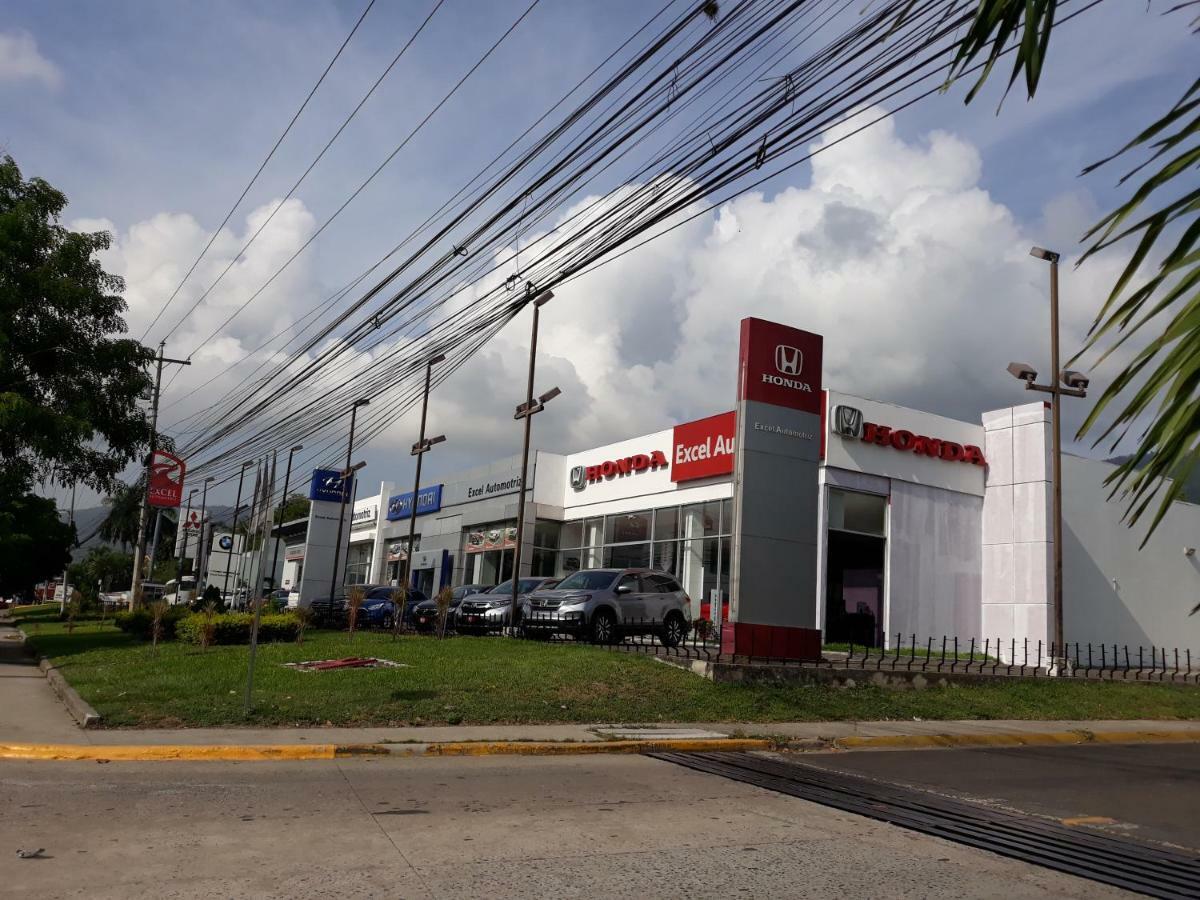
(226, 542)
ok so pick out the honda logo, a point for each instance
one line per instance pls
(848, 421)
(788, 360)
(578, 479)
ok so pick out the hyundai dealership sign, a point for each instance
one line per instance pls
(400, 506)
(328, 485)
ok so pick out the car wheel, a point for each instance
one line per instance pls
(387, 622)
(674, 630)
(604, 627)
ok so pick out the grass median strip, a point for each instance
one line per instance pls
(492, 681)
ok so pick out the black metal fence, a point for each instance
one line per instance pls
(906, 653)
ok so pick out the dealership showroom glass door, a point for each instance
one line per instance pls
(854, 566)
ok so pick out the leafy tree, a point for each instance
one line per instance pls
(1162, 382)
(120, 526)
(294, 507)
(69, 389)
(35, 544)
(103, 568)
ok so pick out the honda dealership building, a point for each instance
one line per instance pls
(802, 508)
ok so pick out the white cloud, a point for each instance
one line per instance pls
(920, 281)
(21, 61)
(153, 255)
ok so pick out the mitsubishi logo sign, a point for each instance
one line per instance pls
(848, 421)
(788, 360)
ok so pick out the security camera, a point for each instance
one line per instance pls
(1024, 371)
(1076, 380)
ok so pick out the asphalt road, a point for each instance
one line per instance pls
(1148, 792)
(605, 826)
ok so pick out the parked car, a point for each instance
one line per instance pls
(378, 611)
(481, 613)
(425, 612)
(605, 605)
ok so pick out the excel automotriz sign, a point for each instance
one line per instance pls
(776, 461)
(848, 422)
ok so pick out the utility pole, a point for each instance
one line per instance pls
(1071, 384)
(139, 550)
(526, 411)
(419, 449)
(70, 521)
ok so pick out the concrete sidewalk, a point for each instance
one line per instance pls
(29, 709)
(815, 732)
(31, 715)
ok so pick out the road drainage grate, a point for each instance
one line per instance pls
(1123, 863)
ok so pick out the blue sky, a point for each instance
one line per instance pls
(157, 112)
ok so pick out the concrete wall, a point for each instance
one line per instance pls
(934, 560)
(1114, 592)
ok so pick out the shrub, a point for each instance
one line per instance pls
(234, 628)
(140, 622)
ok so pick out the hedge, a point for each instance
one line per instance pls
(234, 628)
(140, 622)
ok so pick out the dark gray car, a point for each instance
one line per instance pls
(605, 605)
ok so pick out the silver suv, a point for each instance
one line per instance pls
(606, 605)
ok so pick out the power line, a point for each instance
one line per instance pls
(259, 171)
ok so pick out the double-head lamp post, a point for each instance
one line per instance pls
(527, 410)
(419, 449)
(1063, 383)
(201, 555)
(237, 506)
(337, 548)
(287, 475)
(182, 528)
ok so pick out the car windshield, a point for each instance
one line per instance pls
(587, 580)
(504, 587)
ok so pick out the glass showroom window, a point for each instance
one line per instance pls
(358, 562)
(690, 542)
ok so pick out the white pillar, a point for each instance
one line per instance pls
(1018, 574)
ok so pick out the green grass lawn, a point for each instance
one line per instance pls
(494, 680)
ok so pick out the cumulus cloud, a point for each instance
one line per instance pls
(919, 280)
(20, 60)
(153, 255)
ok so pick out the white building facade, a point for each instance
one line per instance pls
(927, 527)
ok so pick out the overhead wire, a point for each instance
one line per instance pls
(731, 159)
(258, 171)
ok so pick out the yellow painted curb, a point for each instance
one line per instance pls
(1013, 739)
(138, 753)
(564, 748)
(252, 753)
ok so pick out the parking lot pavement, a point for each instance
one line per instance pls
(497, 826)
(1149, 792)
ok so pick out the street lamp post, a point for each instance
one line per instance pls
(183, 533)
(419, 449)
(337, 548)
(526, 411)
(287, 475)
(237, 505)
(1062, 382)
(66, 572)
(201, 552)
